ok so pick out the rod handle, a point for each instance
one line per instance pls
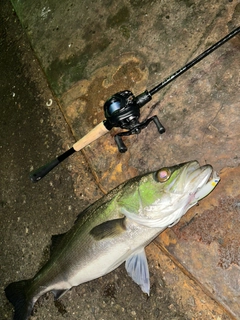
(39, 173)
(93, 135)
(97, 132)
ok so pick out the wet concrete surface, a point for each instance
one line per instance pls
(32, 133)
(98, 49)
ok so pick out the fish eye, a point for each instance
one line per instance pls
(163, 174)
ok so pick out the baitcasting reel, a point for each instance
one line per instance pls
(123, 110)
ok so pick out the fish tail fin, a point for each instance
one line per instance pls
(16, 292)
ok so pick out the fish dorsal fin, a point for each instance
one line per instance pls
(137, 268)
(108, 229)
(56, 239)
(58, 293)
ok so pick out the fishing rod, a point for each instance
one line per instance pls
(122, 110)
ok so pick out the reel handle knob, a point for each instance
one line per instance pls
(121, 146)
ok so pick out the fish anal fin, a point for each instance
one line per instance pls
(58, 293)
(137, 268)
(108, 229)
(56, 239)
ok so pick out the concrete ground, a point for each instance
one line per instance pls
(87, 51)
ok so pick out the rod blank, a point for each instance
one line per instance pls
(194, 61)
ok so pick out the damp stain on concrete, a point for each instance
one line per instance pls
(122, 16)
(86, 99)
(62, 73)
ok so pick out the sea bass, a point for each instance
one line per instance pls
(113, 230)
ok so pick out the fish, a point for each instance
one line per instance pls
(113, 230)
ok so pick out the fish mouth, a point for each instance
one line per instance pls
(197, 175)
(192, 184)
(191, 178)
(196, 181)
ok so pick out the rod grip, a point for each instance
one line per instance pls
(97, 132)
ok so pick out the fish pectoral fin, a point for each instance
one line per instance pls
(108, 229)
(58, 293)
(137, 268)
